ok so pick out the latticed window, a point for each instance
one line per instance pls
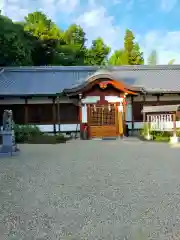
(101, 115)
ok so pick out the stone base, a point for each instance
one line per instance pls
(174, 140)
(6, 151)
(148, 137)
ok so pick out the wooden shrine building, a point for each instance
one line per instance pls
(70, 99)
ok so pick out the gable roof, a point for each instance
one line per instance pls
(52, 80)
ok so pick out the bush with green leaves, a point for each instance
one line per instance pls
(24, 132)
(32, 134)
(156, 135)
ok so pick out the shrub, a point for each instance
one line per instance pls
(32, 134)
(47, 139)
(144, 130)
(156, 135)
(24, 132)
(161, 139)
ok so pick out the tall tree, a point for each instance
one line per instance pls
(152, 59)
(171, 62)
(71, 48)
(119, 57)
(136, 55)
(132, 49)
(74, 35)
(98, 53)
(15, 47)
(45, 35)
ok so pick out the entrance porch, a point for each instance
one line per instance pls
(102, 104)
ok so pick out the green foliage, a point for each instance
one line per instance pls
(171, 62)
(130, 55)
(47, 139)
(98, 53)
(159, 136)
(24, 132)
(39, 41)
(152, 59)
(136, 57)
(144, 130)
(15, 46)
(32, 134)
(119, 57)
(129, 42)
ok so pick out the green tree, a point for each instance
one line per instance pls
(71, 49)
(119, 57)
(171, 62)
(15, 46)
(152, 59)
(136, 55)
(98, 53)
(45, 37)
(132, 49)
(74, 35)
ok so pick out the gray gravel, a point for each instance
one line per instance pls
(91, 190)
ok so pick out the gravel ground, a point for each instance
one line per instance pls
(91, 190)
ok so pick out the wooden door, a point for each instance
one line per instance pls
(102, 121)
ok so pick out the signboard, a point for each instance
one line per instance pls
(91, 99)
(114, 99)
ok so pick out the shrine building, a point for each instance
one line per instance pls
(105, 101)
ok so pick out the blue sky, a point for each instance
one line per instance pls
(155, 23)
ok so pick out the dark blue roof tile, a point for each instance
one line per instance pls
(52, 80)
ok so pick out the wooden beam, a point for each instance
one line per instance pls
(26, 118)
(54, 114)
(58, 114)
(132, 101)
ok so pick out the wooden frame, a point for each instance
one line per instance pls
(173, 110)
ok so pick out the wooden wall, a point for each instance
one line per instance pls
(44, 110)
(149, 100)
(40, 111)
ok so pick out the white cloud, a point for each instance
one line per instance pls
(115, 2)
(166, 44)
(97, 22)
(167, 5)
(17, 9)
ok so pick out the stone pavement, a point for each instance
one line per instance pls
(91, 190)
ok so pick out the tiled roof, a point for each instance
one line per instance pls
(165, 108)
(51, 80)
(27, 81)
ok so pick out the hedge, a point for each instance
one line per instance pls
(158, 136)
(32, 134)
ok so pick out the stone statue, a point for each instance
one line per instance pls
(8, 124)
(7, 120)
(8, 135)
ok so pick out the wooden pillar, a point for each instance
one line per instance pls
(158, 99)
(124, 116)
(144, 115)
(58, 114)
(26, 111)
(120, 124)
(54, 114)
(132, 101)
(120, 118)
(174, 125)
